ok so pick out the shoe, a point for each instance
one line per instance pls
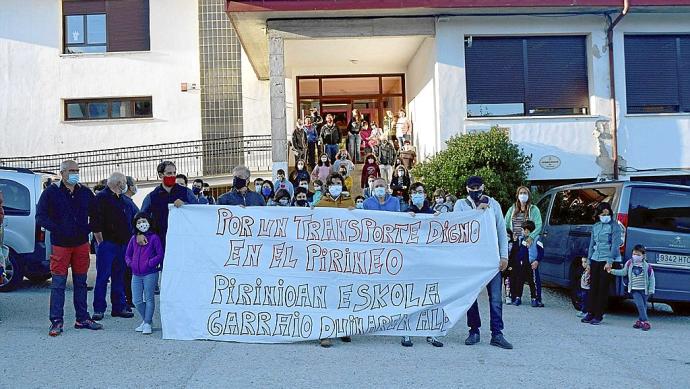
(472, 339)
(646, 326)
(140, 328)
(346, 339)
(536, 303)
(87, 325)
(123, 314)
(588, 318)
(500, 341)
(517, 302)
(595, 322)
(580, 314)
(55, 328)
(146, 329)
(406, 341)
(326, 343)
(509, 301)
(97, 316)
(433, 341)
(638, 324)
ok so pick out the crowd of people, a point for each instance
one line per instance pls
(130, 242)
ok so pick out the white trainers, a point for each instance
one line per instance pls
(146, 330)
(140, 328)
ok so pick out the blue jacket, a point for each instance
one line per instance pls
(112, 215)
(156, 204)
(392, 204)
(604, 245)
(234, 197)
(535, 251)
(65, 214)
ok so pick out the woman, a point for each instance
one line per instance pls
(522, 210)
(365, 135)
(322, 170)
(604, 249)
(354, 141)
(400, 186)
(403, 128)
(267, 192)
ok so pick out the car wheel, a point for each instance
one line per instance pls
(13, 274)
(682, 309)
(39, 278)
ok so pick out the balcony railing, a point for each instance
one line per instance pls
(211, 157)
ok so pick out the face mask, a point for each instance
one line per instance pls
(123, 188)
(283, 202)
(302, 203)
(317, 189)
(379, 192)
(266, 191)
(439, 201)
(605, 219)
(637, 258)
(418, 199)
(335, 190)
(523, 198)
(476, 195)
(134, 190)
(305, 186)
(168, 180)
(143, 225)
(73, 178)
(359, 205)
(370, 161)
(300, 166)
(196, 190)
(257, 188)
(239, 183)
(324, 159)
(401, 172)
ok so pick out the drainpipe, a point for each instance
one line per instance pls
(612, 79)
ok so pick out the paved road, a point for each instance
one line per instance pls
(552, 350)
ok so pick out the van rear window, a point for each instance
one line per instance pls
(660, 209)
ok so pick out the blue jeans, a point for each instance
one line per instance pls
(354, 142)
(143, 296)
(331, 151)
(110, 265)
(495, 309)
(57, 297)
(640, 299)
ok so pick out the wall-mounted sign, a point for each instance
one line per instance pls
(550, 162)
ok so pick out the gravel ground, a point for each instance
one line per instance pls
(552, 350)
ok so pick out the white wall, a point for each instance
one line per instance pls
(255, 101)
(35, 78)
(421, 94)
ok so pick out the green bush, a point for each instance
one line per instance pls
(490, 155)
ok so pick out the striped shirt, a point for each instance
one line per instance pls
(518, 219)
(638, 279)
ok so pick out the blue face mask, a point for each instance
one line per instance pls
(418, 199)
(73, 178)
(266, 191)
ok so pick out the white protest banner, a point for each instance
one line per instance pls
(276, 275)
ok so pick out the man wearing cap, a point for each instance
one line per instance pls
(476, 199)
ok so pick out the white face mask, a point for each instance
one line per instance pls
(335, 190)
(143, 225)
(305, 186)
(637, 258)
(523, 197)
(301, 165)
(324, 159)
(605, 218)
(317, 189)
(123, 188)
(257, 188)
(439, 201)
(380, 192)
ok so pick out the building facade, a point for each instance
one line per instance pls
(543, 71)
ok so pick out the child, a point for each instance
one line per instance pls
(322, 170)
(347, 179)
(300, 198)
(440, 204)
(359, 202)
(526, 267)
(641, 283)
(318, 192)
(144, 261)
(299, 174)
(582, 294)
(370, 169)
(282, 198)
(367, 192)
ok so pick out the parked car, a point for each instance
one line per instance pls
(29, 254)
(653, 214)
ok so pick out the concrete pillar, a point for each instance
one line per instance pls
(276, 69)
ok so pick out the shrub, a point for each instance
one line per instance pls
(490, 155)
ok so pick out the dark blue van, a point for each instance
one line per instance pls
(652, 214)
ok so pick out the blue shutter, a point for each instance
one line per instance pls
(651, 73)
(494, 71)
(684, 70)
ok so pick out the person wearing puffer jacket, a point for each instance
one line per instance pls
(144, 261)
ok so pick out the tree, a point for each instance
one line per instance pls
(490, 155)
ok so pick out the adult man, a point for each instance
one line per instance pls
(299, 141)
(381, 200)
(198, 191)
(111, 222)
(476, 199)
(207, 193)
(282, 182)
(386, 157)
(240, 194)
(407, 155)
(330, 137)
(63, 209)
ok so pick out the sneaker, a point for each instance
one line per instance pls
(406, 341)
(326, 343)
(509, 301)
(646, 326)
(638, 324)
(433, 341)
(595, 322)
(87, 324)
(540, 304)
(123, 314)
(346, 339)
(472, 339)
(580, 314)
(97, 316)
(146, 329)
(588, 318)
(517, 302)
(500, 341)
(140, 328)
(55, 328)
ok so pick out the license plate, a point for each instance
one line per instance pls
(673, 259)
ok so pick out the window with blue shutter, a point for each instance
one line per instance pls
(527, 76)
(657, 73)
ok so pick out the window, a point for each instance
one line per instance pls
(657, 73)
(660, 209)
(543, 206)
(527, 76)
(578, 206)
(17, 198)
(115, 108)
(99, 26)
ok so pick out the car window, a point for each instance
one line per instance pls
(660, 209)
(543, 205)
(17, 198)
(577, 206)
